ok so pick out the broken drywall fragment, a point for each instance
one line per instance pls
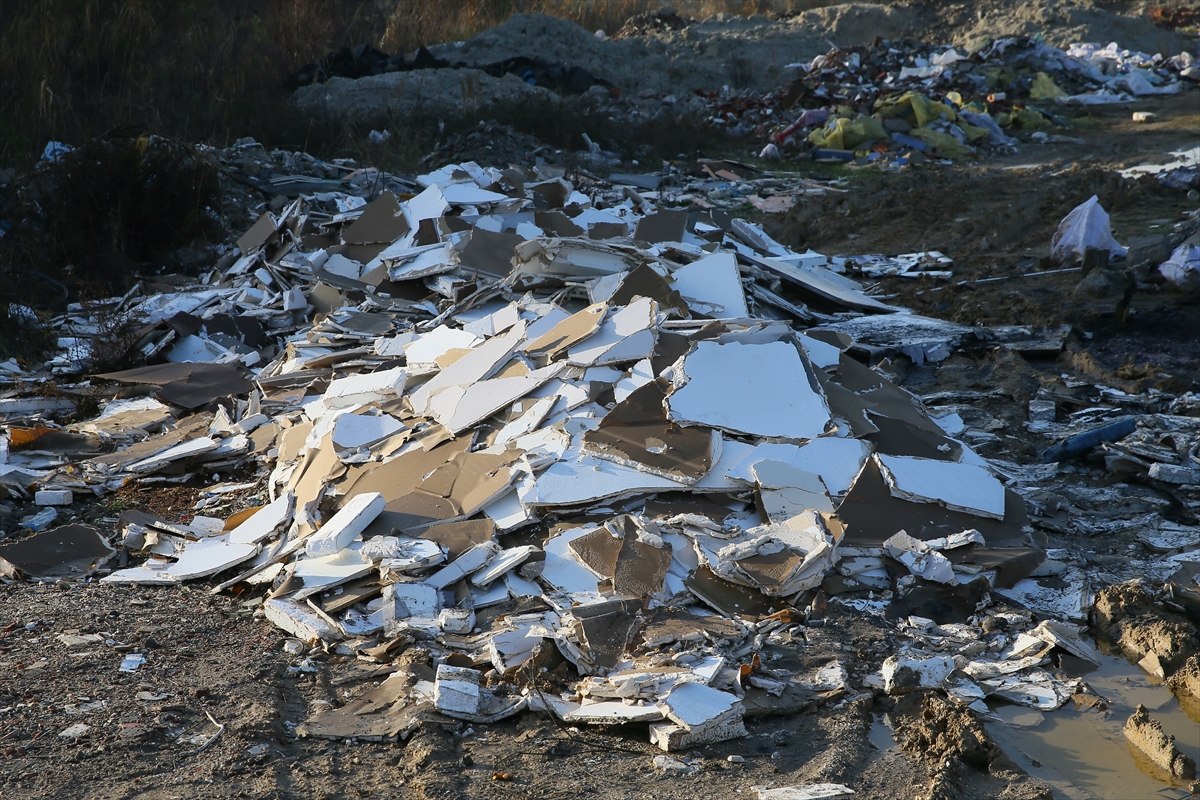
(263, 524)
(920, 559)
(352, 431)
(613, 712)
(904, 674)
(502, 562)
(786, 492)
(460, 407)
(299, 620)
(713, 280)
(67, 551)
(698, 714)
(209, 556)
(568, 333)
(346, 525)
(812, 791)
(637, 434)
(457, 689)
(463, 566)
(355, 390)
(962, 487)
(53, 497)
(627, 335)
(755, 389)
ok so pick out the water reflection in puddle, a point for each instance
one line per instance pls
(1084, 753)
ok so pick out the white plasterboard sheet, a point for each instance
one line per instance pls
(756, 389)
(963, 487)
(470, 194)
(562, 571)
(475, 366)
(586, 479)
(264, 522)
(627, 335)
(458, 407)
(694, 704)
(713, 279)
(352, 431)
(210, 556)
(437, 342)
(822, 354)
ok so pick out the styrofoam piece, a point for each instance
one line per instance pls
(962, 487)
(457, 689)
(502, 562)
(428, 347)
(475, 366)
(352, 431)
(346, 525)
(209, 556)
(265, 522)
(460, 407)
(462, 566)
(53, 497)
(364, 388)
(586, 479)
(714, 280)
(756, 389)
(325, 572)
(299, 620)
(627, 335)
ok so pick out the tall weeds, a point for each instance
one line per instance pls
(212, 70)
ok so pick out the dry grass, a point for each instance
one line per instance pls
(212, 70)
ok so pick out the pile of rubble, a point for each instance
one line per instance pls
(896, 98)
(522, 446)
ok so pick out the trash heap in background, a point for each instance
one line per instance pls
(901, 101)
(589, 455)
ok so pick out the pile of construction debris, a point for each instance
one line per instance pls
(570, 446)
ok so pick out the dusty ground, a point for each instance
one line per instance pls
(211, 663)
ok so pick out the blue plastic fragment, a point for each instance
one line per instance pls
(1081, 444)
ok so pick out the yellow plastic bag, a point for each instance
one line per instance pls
(914, 107)
(943, 143)
(1044, 88)
(847, 134)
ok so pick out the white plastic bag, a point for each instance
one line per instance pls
(1182, 269)
(1086, 226)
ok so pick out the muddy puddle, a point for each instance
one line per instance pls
(1083, 753)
